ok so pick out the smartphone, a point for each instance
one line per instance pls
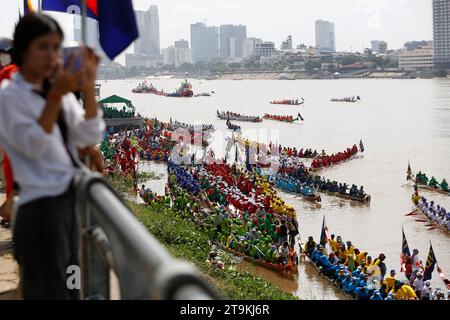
(77, 53)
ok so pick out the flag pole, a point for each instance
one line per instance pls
(83, 21)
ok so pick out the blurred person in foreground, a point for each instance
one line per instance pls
(42, 128)
(7, 69)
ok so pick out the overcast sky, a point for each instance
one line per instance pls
(357, 22)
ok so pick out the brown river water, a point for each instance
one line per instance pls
(398, 120)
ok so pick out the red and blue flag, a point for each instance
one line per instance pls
(116, 21)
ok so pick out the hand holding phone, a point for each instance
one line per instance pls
(73, 55)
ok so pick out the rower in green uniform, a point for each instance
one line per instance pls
(433, 183)
(422, 178)
(444, 185)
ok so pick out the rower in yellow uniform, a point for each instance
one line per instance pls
(416, 198)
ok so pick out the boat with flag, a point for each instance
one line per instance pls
(237, 117)
(185, 90)
(346, 99)
(144, 87)
(324, 243)
(421, 181)
(289, 119)
(290, 102)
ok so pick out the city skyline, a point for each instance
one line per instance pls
(357, 22)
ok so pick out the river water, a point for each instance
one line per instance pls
(398, 120)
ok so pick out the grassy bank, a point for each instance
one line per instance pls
(183, 239)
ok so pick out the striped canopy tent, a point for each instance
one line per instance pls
(114, 99)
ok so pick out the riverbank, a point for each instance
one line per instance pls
(186, 242)
(280, 75)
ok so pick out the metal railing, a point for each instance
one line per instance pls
(113, 241)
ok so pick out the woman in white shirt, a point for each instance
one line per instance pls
(42, 126)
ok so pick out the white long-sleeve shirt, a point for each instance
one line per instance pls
(41, 164)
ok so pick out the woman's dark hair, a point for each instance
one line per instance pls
(30, 27)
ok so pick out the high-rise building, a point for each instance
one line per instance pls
(249, 47)
(183, 55)
(169, 55)
(287, 45)
(204, 42)
(420, 59)
(181, 44)
(441, 33)
(379, 47)
(325, 38)
(148, 25)
(228, 31)
(264, 49)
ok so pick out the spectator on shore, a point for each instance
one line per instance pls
(7, 69)
(42, 125)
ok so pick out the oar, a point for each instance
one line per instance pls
(432, 228)
(419, 220)
(411, 213)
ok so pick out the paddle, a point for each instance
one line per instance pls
(411, 213)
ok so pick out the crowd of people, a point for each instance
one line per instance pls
(247, 217)
(421, 178)
(364, 278)
(437, 214)
(327, 161)
(113, 113)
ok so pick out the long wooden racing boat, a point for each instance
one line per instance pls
(434, 224)
(348, 296)
(287, 103)
(312, 198)
(427, 187)
(235, 117)
(281, 119)
(353, 157)
(281, 268)
(367, 198)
